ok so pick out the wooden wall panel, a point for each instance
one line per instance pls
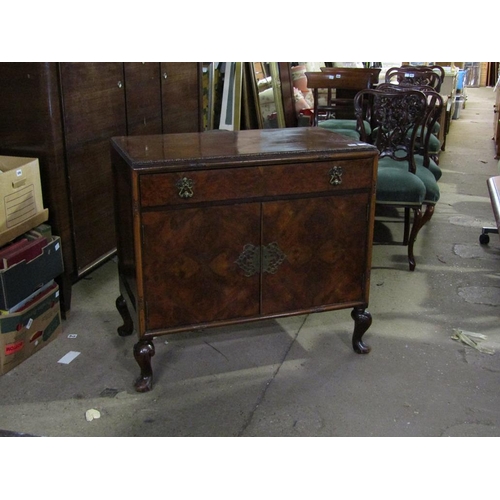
(181, 97)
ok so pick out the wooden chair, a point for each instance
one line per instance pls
(434, 67)
(414, 75)
(334, 90)
(427, 144)
(431, 76)
(395, 116)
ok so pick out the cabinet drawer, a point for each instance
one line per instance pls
(318, 177)
(255, 182)
(195, 187)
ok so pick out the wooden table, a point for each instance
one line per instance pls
(220, 228)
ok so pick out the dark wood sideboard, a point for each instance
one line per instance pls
(220, 228)
(65, 114)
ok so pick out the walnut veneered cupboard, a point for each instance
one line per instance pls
(219, 228)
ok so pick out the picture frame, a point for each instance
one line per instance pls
(230, 116)
(278, 96)
(209, 95)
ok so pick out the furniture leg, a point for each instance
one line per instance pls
(406, 234)
(65, 285)
(420, 221)
(144, 350)
(128, 326)
(417, 224)
(362, 321)
(429, 211)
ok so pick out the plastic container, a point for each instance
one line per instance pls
(459, 101)
(461, 79)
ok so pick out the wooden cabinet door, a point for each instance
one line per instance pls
(190, 269)
(143, 98)
(181, 97)
(324, 252)
(93, 112)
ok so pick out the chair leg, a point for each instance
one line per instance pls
(417, 224)
(429, 211)
(406, 233)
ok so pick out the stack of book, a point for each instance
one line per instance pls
(29, 296)
(23, 251)
(25, 248)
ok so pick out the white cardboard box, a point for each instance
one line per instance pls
(21, 201)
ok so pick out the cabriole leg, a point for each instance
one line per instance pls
(362, 321)
(128, 326)
(144, 350)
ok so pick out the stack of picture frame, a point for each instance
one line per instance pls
(242, 95)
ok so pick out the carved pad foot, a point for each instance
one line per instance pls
(128, 326)
(362, 321)
(144, 350)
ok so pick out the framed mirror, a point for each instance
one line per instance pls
(270, 97)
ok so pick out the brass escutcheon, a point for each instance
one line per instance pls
(249, 260)
(336, 176)
(255, 259)
(185, 187)
(272, 258)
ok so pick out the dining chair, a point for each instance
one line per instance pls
(427, 143)
(395, 117)
(414, 75)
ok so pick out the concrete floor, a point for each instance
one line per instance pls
(299, 376)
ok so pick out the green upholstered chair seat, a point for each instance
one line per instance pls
(419, 161)
(397, 186)
(334, 124)
(431, 188)
(434, 144)
(433, 166)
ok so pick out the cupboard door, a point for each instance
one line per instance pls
(324, 250)
(190, 268)
(93, 112)
(181, 97)
(143, 98)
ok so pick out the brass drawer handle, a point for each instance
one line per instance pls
(185, 187)
(335, 174)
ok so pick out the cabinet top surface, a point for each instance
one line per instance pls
(220, 146)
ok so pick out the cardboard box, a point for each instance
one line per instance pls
(26, 332)
(21, 201)
(24, 278)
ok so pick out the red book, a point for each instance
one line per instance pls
(25, 252)
(11, 249)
